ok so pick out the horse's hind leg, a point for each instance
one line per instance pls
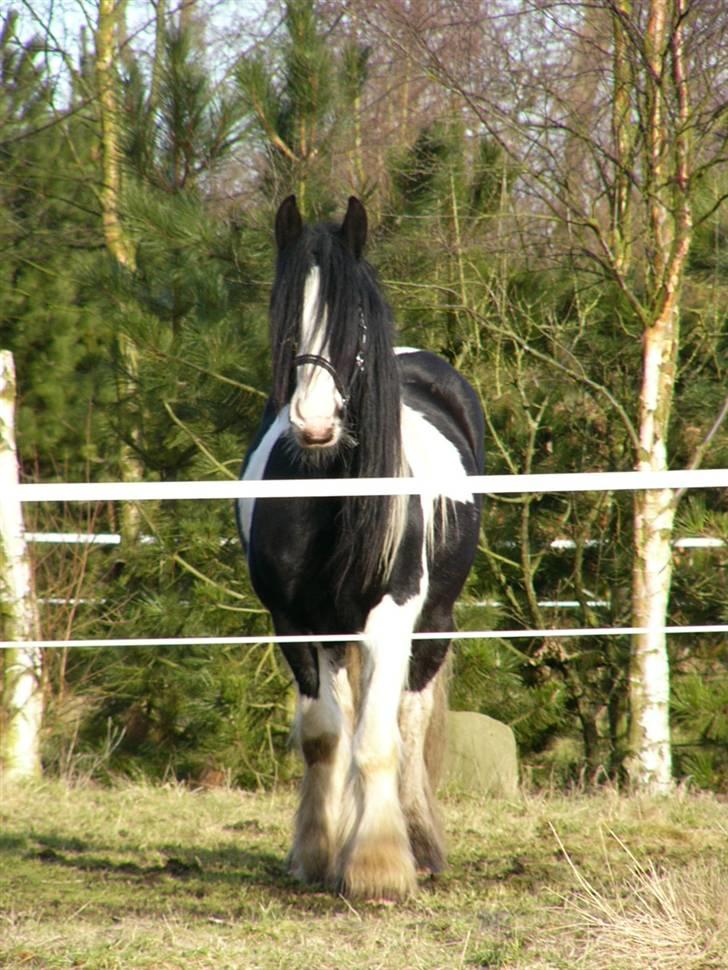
(323, 734)
(422, 718)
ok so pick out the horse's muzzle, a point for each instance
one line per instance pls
(316, 438)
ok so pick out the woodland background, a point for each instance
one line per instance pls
(529, 221)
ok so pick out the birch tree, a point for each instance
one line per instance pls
(612, 114)
(21, 710)
(666, 195)
(648, 169)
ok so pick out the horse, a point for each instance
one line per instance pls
(346, 404)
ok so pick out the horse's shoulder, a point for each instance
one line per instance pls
(432, 371)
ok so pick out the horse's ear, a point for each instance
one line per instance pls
(289, 224)
(354, 227)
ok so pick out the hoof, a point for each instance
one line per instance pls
(312, 863)
(378, 872)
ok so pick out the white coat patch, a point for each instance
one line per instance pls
(255, 469)
(430, 455)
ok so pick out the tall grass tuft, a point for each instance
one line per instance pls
(655, 919)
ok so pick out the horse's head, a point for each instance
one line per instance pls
(318, 326)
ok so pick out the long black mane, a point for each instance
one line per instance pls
(356, 320)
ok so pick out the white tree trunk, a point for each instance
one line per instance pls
(667, 166)
(650, 761)
(21, 711)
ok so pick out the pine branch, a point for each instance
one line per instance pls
(198, 443)
(188, 567)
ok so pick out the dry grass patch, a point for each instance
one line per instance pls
(652, 918)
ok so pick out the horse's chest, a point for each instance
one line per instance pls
(293, 569)
(292, 549)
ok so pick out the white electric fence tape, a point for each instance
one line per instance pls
(325, 488)
(359, 637)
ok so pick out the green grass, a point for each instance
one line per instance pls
(140, 876)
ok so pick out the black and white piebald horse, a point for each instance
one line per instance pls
(347, 404)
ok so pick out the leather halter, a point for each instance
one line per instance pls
(359, 362)
(318, 361)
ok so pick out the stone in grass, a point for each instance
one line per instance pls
(481, 756)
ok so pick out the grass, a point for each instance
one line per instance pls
(163, 877)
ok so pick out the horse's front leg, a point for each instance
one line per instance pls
(322, 732)
(376, 859)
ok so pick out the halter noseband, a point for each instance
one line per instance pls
(318, 361)
(359, 363)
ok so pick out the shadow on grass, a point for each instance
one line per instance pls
(230, 882)
(228, 864)
(118, 872)
(233, 880)
(12, 843)
(240, 865)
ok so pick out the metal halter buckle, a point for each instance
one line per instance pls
(360, 359)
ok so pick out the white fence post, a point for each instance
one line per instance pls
(21, 694)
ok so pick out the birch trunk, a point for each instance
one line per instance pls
(21, 711)
(666, 192)
(650, 762)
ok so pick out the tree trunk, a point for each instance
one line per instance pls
(116, 239)
(160, 36)
(666, 192)
(642, 178)
(21, 710)
(114, 236)
(649, 763)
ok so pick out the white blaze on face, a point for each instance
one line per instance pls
(316, 405)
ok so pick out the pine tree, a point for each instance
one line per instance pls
(49, 238)
(310, 119)
(191, 306)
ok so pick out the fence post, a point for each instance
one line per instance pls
(21, 693)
